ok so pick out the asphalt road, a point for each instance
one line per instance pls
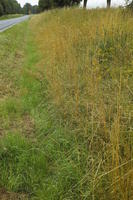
(5, 24)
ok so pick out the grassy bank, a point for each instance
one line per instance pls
(66, 106)
(10, 16)
(87, 61)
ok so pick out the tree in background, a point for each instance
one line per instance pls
(45, 4)
(130, 4)
(108, 3)
(85, 3)
(9, 7)
(1, 9)
(29, 9)
(48, 4)
(13, 7)
(62, 3)
(35, 9)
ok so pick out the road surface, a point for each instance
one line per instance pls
(5, 24)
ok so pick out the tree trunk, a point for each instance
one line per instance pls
(108, 3)
(85, 3)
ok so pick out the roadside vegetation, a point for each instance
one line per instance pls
(66, 106)
(10, 16)
(11, 120)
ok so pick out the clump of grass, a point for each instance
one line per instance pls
(22, 164)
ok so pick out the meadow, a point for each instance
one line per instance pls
(67, 106)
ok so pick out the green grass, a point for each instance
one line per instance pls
(30, 163)
(10, 16)
(65, 106)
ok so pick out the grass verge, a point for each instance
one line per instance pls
(4, 17)
(66, 109)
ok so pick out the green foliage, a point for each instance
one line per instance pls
(47, 4)
(9, 7)
(13, 7)
(1, 10)
(35, 9)
(28, 9)
(130, 4)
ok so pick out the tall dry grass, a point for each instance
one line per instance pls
(87, 59)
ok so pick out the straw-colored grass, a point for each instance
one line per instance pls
(88, 63)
